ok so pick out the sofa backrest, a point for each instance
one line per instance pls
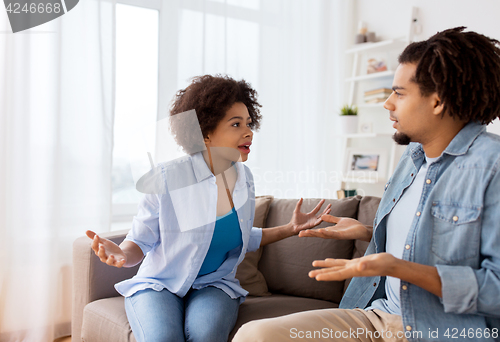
(285, 264)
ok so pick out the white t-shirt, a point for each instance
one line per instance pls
(399, 222)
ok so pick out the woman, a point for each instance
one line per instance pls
(196, 232)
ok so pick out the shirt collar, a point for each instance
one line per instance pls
(464, 139)
(460, 143)
(202, 171)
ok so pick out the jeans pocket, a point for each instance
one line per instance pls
(456, 231)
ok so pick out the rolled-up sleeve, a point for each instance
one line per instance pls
(145, 231)
(459, 296)
(255, 239)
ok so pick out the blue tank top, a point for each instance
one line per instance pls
(226, 237)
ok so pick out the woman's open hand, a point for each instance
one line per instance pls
(107, 251)
(301, 221)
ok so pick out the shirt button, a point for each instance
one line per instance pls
(394, 200)
(412, 175)
(428, 181)
(374, 284)
(455, 218)
(418, 213)
(407, 246)
(241, 220)
(386, 186)
(404, 287)
(408, 328)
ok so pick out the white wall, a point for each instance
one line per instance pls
(391, 19)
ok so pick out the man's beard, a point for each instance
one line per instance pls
(401, 138)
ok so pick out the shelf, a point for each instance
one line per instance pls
(374, 75)
(371, 105)
(364, 135)
(361, 180)
(385, 44)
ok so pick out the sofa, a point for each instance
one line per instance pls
(275, 275)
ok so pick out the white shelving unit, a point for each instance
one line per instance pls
(374, 115)
(381, 134)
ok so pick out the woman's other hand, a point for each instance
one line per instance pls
(107, 251)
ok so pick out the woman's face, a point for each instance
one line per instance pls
(232, 134)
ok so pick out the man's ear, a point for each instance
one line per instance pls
(207, 140)
(437, 104)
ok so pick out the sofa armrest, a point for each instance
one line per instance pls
(93, 279)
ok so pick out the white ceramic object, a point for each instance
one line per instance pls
(349, 124)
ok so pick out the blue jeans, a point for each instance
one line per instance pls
(208, 314)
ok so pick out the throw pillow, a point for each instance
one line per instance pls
(251, 279)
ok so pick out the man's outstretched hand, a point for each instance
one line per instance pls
(380, 264)
(345, 229)
(107, 251)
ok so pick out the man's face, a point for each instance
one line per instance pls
(412, 113)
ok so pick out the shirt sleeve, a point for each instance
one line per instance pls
(458, 296)
(145, 231)
(255, 239)
(468, 290)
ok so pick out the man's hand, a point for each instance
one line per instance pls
(107, 251)
(345, 229)
(301, 221)
(380, 264)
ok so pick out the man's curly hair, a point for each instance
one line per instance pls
(463, 68)
(211, 97)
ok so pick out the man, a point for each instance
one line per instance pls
(432, 269)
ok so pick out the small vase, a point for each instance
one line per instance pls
(348, 124)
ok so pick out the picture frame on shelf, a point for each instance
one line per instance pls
(366, 165)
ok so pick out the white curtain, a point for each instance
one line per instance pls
(292, 52)
(55, 161)
(301, 86)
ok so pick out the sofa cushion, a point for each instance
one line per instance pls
(276, 305)
(106, 320)
(285, 264)
(251, 279)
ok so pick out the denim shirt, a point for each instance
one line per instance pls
(456, 229)
(174, 230)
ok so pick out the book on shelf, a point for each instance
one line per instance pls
(377, 95)
(346, 193)
(378, 91)
(340, 194)
(376, 100)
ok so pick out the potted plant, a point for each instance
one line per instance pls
(349, 119)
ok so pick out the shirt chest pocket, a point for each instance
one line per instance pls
(456, 231)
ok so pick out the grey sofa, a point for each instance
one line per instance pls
(275, 275)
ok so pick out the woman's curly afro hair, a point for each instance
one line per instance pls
(211, 97)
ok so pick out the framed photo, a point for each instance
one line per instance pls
(366, 165)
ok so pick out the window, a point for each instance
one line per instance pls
(136, 100)
(159, 47)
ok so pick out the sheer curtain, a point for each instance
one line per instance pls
(301, 86)
(55, 162)
(292, 52)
